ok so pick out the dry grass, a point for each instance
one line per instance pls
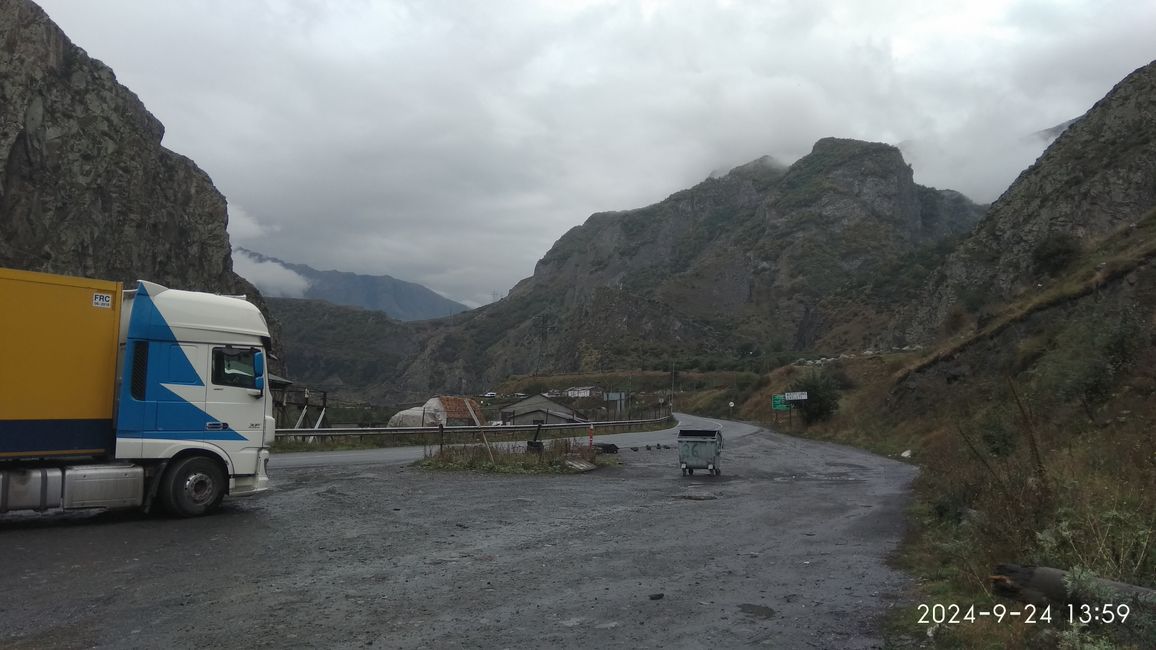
(508, 458)
(641, 379)
(1091, 509)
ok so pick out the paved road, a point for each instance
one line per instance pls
(786, 549)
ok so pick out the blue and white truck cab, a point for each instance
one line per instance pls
(113, 398)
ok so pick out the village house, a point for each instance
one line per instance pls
(578, 392)
(539, 409)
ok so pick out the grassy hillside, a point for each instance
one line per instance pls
(358, 354)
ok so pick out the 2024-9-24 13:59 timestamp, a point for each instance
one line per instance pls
(952, 613)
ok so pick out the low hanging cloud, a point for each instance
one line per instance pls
(270, 277)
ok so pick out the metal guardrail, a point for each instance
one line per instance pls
(300, 434)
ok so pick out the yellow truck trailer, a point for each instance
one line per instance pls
(57, 380)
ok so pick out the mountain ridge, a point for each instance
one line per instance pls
(764, 261)
(400, 299)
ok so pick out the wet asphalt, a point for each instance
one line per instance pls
(788, 548)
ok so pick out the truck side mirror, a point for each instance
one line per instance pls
(259, 364)
(259, 383)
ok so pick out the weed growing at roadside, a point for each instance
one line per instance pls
(508, 458)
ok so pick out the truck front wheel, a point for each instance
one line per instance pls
(192, 486)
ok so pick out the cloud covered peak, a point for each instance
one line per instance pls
(269, 276)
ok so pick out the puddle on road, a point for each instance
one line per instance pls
(849, 465)
(836, 477)
(606, 626)
(757, 611)
(700, 496)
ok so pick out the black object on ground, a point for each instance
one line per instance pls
(535, 446)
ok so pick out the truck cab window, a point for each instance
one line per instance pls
(234, 367)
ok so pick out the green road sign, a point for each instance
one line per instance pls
(779, 403)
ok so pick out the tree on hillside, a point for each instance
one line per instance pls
(822, 395)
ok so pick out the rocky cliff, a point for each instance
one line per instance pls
(1097, 176)
(763, 252)
(85, 186)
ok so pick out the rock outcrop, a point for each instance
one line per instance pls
(86, 188)
(1098, 175)
(761, 251)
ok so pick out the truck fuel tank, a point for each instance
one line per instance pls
(75, 486)
(103, 486)
(31, 489)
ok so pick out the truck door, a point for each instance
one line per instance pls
(235, 405)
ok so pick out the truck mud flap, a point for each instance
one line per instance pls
(154, 485)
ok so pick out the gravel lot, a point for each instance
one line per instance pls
(786, 549)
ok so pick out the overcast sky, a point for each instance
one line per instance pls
(451, 143)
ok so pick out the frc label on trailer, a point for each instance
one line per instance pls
(102, 300)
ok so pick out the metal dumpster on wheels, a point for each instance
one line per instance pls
(699, 449)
